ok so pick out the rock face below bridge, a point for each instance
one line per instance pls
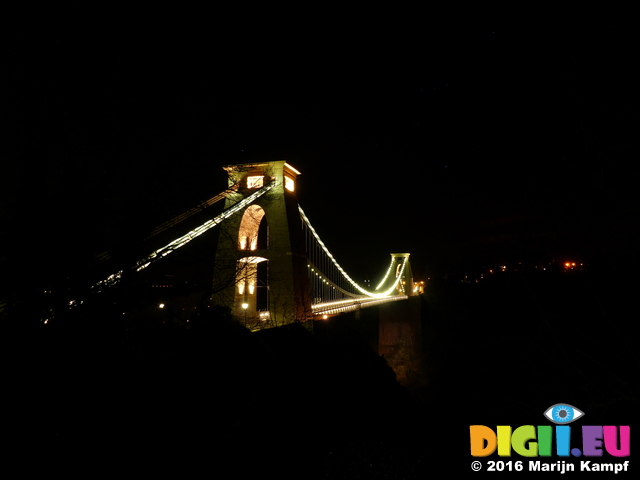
(397, 332)
(400, 341)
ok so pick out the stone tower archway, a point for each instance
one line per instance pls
(239, 253)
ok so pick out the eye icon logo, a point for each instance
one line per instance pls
(563, 413)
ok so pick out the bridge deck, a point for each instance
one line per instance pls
(348, 305)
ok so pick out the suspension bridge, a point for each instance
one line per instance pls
(272, 268)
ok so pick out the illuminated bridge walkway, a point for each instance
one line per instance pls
(271, 266)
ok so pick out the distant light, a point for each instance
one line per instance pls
(161, 305)
(245, 305)
(324, 317)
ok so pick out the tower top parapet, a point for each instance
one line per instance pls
(255, 175)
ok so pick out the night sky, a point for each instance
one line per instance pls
(460, 145)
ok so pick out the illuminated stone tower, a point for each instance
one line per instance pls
(405, 285)
(261, 263)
